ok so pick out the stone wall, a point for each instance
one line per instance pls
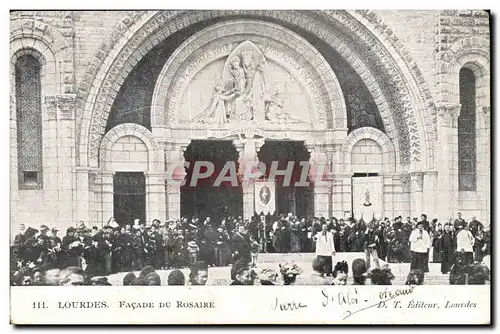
(92, 28)
(128, 154)
(367, 157)
(418, 41)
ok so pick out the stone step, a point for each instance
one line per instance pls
(305, 260)
(221, 275)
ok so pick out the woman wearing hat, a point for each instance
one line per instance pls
(420, 242)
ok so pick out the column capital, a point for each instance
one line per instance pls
(448, 109)
(406, 183)
(486, 110)
(61, 106)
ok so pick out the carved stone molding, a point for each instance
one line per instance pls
(448, 113)
(61, 106)
(417, 181)
(399, 90)
(406, 183)
(486, 110)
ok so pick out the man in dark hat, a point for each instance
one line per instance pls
(20, 238)
(371, 243)
(446, 245)
(459, 221)
(241, 274)
(44, 249)
(71, 254)
(241, 245)
(56, 245)
(138, 250)
(199, 273)
(420, 242)
(92, 257)
(475, 226)
(359, 272)
(398, 224)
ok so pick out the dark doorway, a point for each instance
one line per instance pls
(290, 198)
(204, 199)
(129, 197)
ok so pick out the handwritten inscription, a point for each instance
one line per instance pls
(287, 306)
(383, 297)
(387, 294)
(348, 297)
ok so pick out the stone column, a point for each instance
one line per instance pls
(82, 205)
(483, 154)
(155, 196)
(447, 159)
(174, 162)
(430, 200)
(403, 204)
(247, 150)
(416, 195)
(107, 209)
(322, 185)
(341, 194)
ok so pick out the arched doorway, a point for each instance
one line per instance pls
(204, 196)
(291, 197)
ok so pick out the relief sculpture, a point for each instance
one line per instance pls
(244, 92)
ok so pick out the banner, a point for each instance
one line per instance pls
(265, 197)
(367, 197)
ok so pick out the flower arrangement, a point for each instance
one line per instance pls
(290, 269)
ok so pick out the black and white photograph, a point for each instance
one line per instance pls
(216, 148)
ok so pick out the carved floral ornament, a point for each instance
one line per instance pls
(62, 106)
(246, 89)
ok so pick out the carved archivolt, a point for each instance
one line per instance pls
(273, 42)
(146, 29)
(155, 157)
(390, 156)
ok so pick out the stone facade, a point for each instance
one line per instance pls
(408, 108)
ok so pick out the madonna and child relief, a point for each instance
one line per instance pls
(242, 92)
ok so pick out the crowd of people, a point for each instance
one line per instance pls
(185, 242)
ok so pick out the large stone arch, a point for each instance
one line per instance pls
(280, 45)
(120, 61)
(155, 161)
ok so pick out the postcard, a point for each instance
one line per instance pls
(167, 164)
